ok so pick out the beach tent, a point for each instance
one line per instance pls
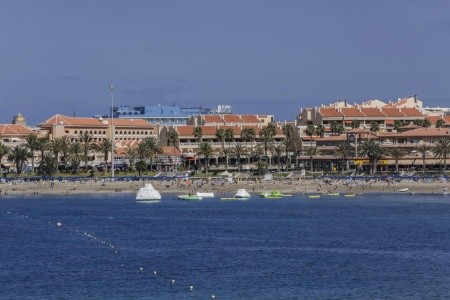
(227, 175)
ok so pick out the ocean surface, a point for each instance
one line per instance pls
(109, 247)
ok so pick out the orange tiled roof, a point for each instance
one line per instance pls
(411, 112)
(392, 112)
(213, 119)
(373, 112)
(329, 112)
(420, 132)
(14, 129)
(93, 122)
(351, 112)
(232, 118)
(250, 119)
(171, 151)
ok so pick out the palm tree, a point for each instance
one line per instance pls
(48, 165)
(173, 138)
(310, 131)
(355, 124)
(397, 153)
(320, 130)
(239, 151)
(344, 151)
(220, 134)
(153, 147)
(311, 152)
(3, 151)
(288, 131)
(64, 145)
(278, 149)
(426, 123)
(440, 122)
(32, 145)
(423, 149)
(42, 145)
(75, 154)
(336, 127)
(249, 135)
(130, 154)
(104, 147)
(229, 137)
(442, 149)
(373, 151)
(374, 127)
(19, 155)
(266, 138)
(198, 134)
(86, 140)
(207, 151)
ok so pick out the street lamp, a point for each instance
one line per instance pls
(111, 89)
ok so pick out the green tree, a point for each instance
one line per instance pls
(229, 137)
(104, 147)
(279, 150)
(239, 151)
(130, 154)
(19, 155)
(373, 151)
(310, 131)
(249, 135)
(320, 130)
(440, 122)
(173, 138)
(32, 145)
(206, 150)
(344, 151)
(374, 127)
(141, 166)
(198, 134)
(355, 124)
(311, 152)
(48, 165)
(337, 127)
(396, 153)
(426, 123)
(266, 137)
(153, 147)
(75, 154)
(86, 141)
(442, 149)
(423, 149)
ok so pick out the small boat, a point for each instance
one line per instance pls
(205, 194)
(272, 195)
(313, 196)
(190, 197)
(349, 195)
(242, 193)
(234, 198)
(148, 193)
(333, 194)
(403, 190)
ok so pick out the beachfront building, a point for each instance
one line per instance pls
(362, 116)
(12, 135)
(229, 137)
(127, 132)
(172, 115)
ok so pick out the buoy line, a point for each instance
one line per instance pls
(155, 276)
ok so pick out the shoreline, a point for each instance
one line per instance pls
(302, 187)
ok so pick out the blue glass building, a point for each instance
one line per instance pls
(166, 114)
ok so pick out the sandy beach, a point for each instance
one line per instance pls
(222, 187)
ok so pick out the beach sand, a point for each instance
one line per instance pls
(311, 186)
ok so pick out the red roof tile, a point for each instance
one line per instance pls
(351, 112)
(329, 112)
(14, 129)
(372, 112)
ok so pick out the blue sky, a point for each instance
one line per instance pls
(259, 56)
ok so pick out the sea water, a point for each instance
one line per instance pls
(110, 247)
